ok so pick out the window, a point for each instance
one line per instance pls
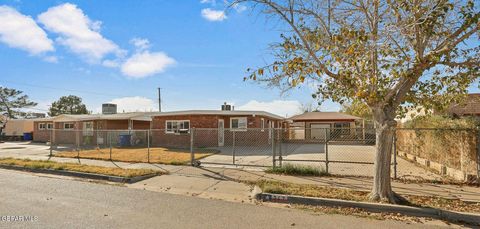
(49, 126)
(68, 126)
(262, 124)
(177, 126)
(41, 126)
(238, 123)
(342, 128)
(88, 129)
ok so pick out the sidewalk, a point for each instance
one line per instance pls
(219, 182)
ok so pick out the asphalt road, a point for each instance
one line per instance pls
(66, 203)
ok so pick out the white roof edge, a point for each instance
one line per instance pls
(217, 112)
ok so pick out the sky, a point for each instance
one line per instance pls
(120, 52)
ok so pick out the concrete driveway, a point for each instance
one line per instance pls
(344, 159)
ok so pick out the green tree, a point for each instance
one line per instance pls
(387, 54)
(68, 105)
(11, 100)
(357, 108)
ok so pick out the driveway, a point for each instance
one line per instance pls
(346, 159)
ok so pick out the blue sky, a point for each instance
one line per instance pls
(121, 51)
(198, 56)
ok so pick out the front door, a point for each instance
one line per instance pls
(221, 132)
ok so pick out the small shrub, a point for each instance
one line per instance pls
(298, 170)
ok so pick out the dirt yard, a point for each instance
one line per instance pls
(157, 155)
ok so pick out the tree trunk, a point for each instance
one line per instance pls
(385, 127)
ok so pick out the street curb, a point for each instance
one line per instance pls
(128, 180)
(450, 216)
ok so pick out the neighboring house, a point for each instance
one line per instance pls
(322, 125)
(471, 106)
(14, 129)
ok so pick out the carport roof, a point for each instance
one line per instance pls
(323, 116)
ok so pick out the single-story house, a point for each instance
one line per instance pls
(321, 126)
(213, 127)
(470, 107)
(87, 129)
(169, 129)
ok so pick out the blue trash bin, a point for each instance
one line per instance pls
(124, 139)
(27, 136)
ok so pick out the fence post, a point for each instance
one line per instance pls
(110, 142)
(478, 154)
(233, 147)
(148, 146)
(272, 133)
(394, 153)
(51, 142)
(280, 142)
(326, 151)
(192, 153)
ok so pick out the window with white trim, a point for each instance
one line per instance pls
(49, 126)
(41, 126)
(177, 126)
(68, 126)
(239, 123)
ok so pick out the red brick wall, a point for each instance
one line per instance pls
(41, 135)
(206, 131)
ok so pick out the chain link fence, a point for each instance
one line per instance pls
(429, 154)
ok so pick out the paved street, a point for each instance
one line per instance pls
(67, 203)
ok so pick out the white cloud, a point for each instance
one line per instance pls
(146, 64)
(239, 7)
(21, 31)
(284, 108)
(77, 32)
(51, 59)
(213, 2)
(213, 15)
(136, 103)
(140, 43)
(110, 63)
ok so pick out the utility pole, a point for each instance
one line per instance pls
(159, 100)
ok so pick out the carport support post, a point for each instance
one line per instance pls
(51, 142)
(192, 153)
(394, 146)
(110, 142)
(233, 147)
(148, 146)
(272, 133)
(326, 150)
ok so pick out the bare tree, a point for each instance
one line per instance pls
(387, 54)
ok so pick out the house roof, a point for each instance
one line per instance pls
(147, 116)
(323, 116)
(471, 106)
(138, 116)
(218, 112)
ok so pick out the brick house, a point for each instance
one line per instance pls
(87, 129)
(213, 128)
(470, 107)
(168, 129)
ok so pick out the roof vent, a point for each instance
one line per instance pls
(109, 108)
(226, 107)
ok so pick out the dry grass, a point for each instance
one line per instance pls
(353, 195)
(113, 171)
(157, 155)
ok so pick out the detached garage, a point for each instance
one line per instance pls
(322, 125)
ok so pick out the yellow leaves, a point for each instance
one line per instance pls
(260, 71)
